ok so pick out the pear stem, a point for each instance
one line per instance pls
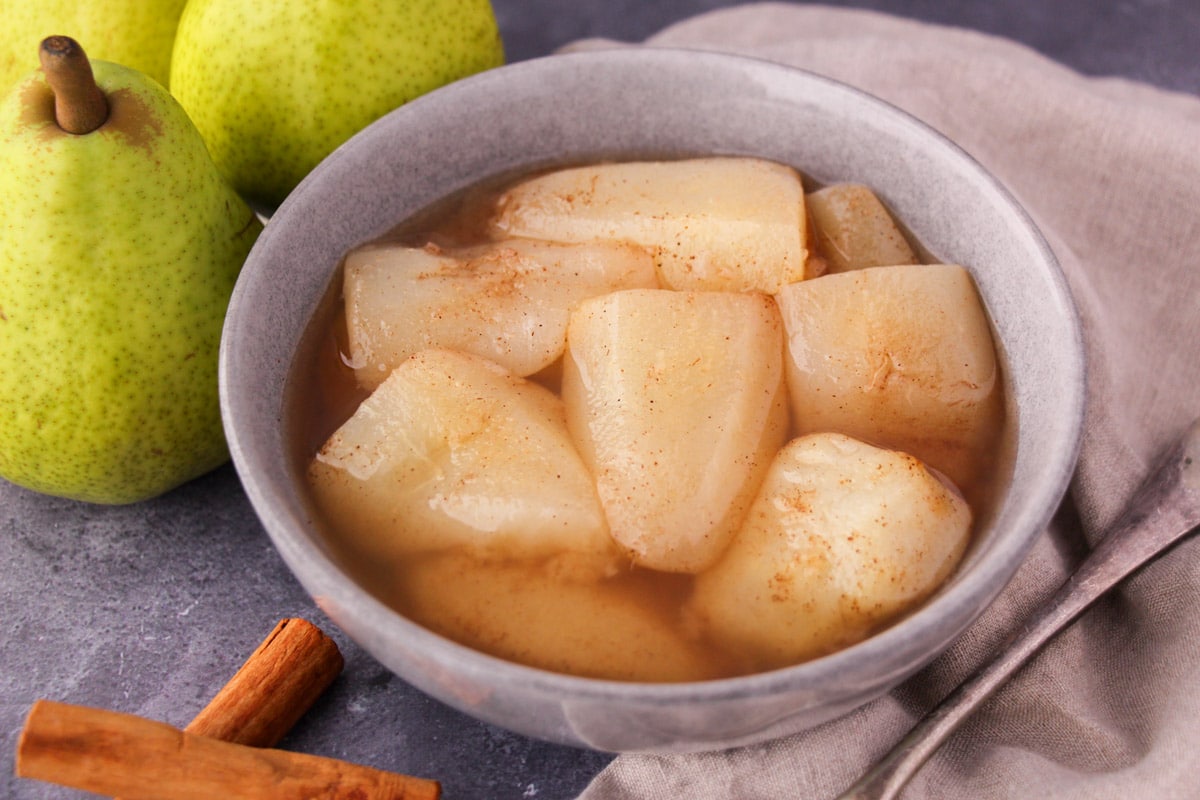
(79, 105)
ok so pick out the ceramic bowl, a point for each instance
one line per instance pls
(628, 103)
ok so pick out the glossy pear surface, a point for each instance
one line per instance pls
(842, 537)
(712, 224)
(900, 356)
(453, 451)
(677, 404)
(508, 301)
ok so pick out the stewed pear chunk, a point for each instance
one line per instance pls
(620, 628)
(677, 403)
(507, 301)
(853, 229)
(720, 224)
(898, 356)
(842, 538)
(454, 451)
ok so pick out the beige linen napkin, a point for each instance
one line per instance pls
(1110, 170)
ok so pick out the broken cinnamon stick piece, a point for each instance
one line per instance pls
(280, 681)
(138, 759)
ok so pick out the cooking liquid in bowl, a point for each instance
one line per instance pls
(628, 623)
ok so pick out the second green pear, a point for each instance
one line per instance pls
(275, 86)
(136, 33)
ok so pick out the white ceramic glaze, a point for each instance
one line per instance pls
(653, 103)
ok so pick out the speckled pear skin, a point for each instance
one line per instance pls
(136, 33)
(118, 253)
(274, 86)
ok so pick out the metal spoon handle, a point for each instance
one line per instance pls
(1165, 509)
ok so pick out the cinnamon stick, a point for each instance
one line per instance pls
(121, 754)
(280, 681)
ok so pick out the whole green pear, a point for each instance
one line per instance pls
(274, 86)
(119, 249)
(136, 33)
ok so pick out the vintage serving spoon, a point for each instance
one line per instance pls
(1164, 510)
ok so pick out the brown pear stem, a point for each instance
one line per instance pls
(79, 105)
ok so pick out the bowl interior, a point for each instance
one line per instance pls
(635, 103)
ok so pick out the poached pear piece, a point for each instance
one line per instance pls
(718, 224)
(676, 401)
(842, 539)
(615, 629)
(899, 356)
(454, 452)
(138, 34)
(853, 229)
(276, 86)
(119, 248)
(508, 302)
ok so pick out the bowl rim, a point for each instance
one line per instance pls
(327, 581)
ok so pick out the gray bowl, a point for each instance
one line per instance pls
(653, 103)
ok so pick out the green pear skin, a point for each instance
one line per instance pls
(274, 86)
(118, 254)
(136, 33)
